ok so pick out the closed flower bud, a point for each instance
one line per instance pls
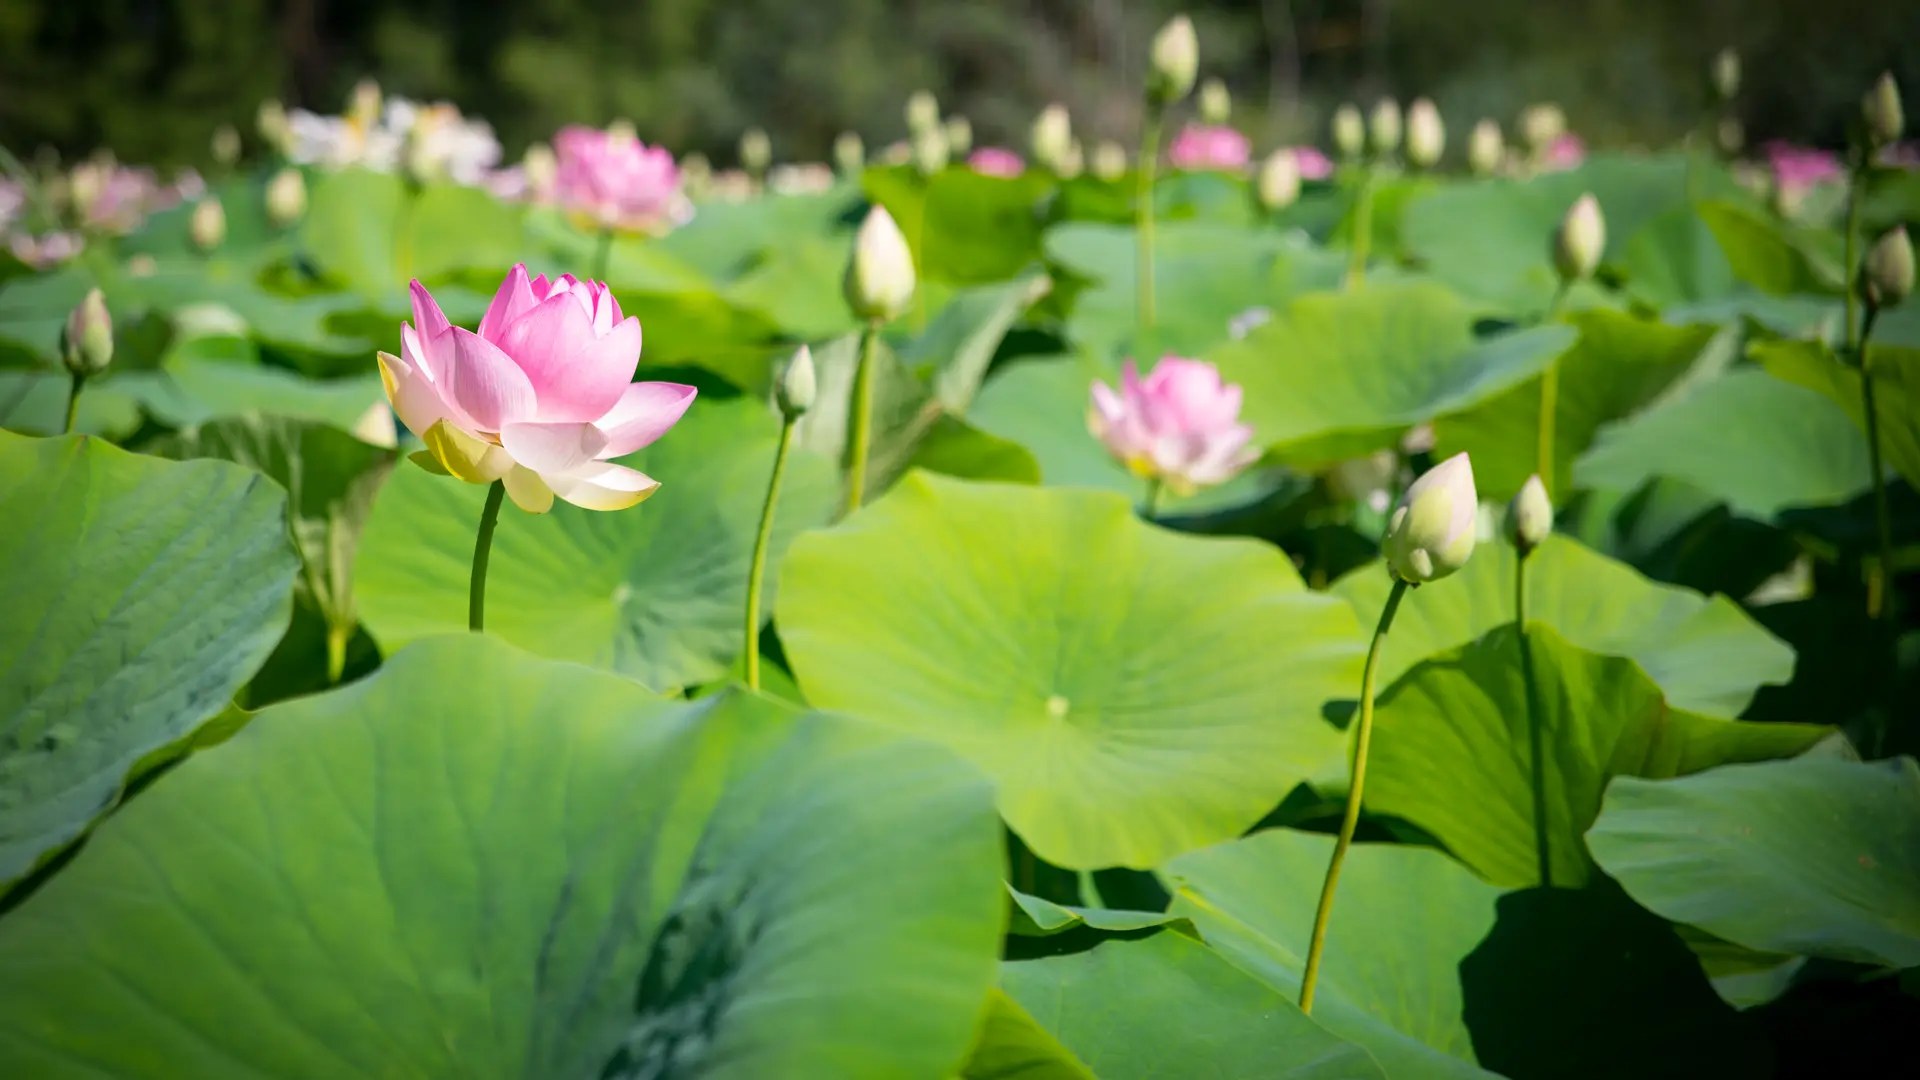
(1426, 134)
(923, 111)
(542, 168)
(1730, 134)
(226, 145)
(364, 107)
(1349, 131)
(1580, 239)
(797, 385)
(208, 225)
(1726, 74)
(1216, 104)
(1074, 161)
(286, 197)
(1176, 61)
(849, 153)
(1540, 125)
(1052, 136)
(880, 280)
(756, 151)
(1384, 127)
(1279, 179)
(930, 150)
(271, 122)
(1109, 160)
(1485, 148)
(1431, 531)
(959, 136)
(1530, 515)
(1881, 109)
(87, 340)
(1886, 278)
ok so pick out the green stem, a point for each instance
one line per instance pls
(336, 652)
(1150, 506)
(1362, 229)
(860, 433)
(1143, 211)
(1850, 271)
(1877, 606)
(1549, 399)
(1536, 735)
(73, 403)
(482, 550)
(1351, 819)
(602, 254)
(1090, 891)
(759, 568)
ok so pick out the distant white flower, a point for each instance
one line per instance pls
(1248, 321)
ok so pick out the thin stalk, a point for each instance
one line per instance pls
(73, 403)
(336, 652)
(1851, 270)
(1877, 606)
(860, 437)
(602, 254)
(482, 551)
(1348, 822)
(758, 572)
(1536, 735)
(1150, 506)
(1143, 211)
(1090, 890)
(1549, 398)
(1362, 229)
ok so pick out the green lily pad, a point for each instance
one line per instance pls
(654, 592)
(141, 594)
(797, 286)
(210, 378)
(35, 403)
(1459, 722)
(1817, 856)
(960, 342)
(1896, 386)
(1053, 638)
(724, 239)
(1035, 916)
(480, 864)
(373, 234)
(1674, 258)
(1776, 258)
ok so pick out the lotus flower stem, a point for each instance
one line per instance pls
(758, 572)
(1143, 211)
(337, 652)
(1536, 736)
(602, 254)
(1549, 398)
(73, 402)
(1090, 890)
(1362, 741)
(860, 434)
(1150, 506)
(482, 550)
(1362, 229)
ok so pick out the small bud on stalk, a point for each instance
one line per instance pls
(1426, 134)
(756, 152)
(208, 226)
(1109, 160)
(1383, 130)
(1216, 104)
(1540, 125)
(1726, 74)
(1279, 179)
(1485, 148)
(1885, 120)
(849, 153)
(880, 278)
(1349, 131)
(1530, 516)
(1580, 240)
(286, 197)
(1431, 532)
(1052, 136)
(226, 145)
(930, 151)
(797, 386)
(1175, 62)
(923, 111)
(959, 132)
(86, 343)
(1886, 277)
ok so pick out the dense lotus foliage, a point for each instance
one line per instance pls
(1440, 605)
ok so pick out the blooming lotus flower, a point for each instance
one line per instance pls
(1565, 152)
(1314, 165)
(541, 397)
(1432, 530)
(1178, 425)
(996, 161)
(1201, 147)
(615, 179)
(1796, 169)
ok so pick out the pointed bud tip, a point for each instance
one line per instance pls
(1580, 240)
(1175, 61)
(880, 277)
(1887, 275)
(87, 339)
(1882, 112)
(1432, 531)
(1530, 515)
(798, 385)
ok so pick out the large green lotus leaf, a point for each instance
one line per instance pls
(1762, 444)
(1389, 978)
(140, 594)
(1896, 388)
(654, 592)
(1452, 755)
(34, 310)
(35, 403)
(1036, 916)
(1135, 692)
(1816, 856)
(304, 325)
(1011, 1045)
(797, 286)
(959, 343)
(724, 239)
(1776, 258)
(634, 263)
(1620, 364)
(980, 228)
(1705, 653)
(476, 863)
(243, 201)
(1166, 1008)
(214, 377)
(1338, 375)
(1675, 259)
(373, 234)
(953, 447)
(904, 411)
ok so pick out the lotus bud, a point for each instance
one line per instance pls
(1540, 125)
(542, 168)
(1349, 131)
(849, 153)
(880, 281)
(959, 135)
(364, 107)
(1881, 109)
(797, 385)
(930, 150)
(756, 151)
(226, 145)
(1279, 179)
(1175, 62)
(1431, 531)
(1726, 74)
(1730, 135)
(1426, 134)
(87, 341)
(1216, 103)
(286, 197)
(208, 226)
(85, 185)
(1384, 127)
(1580, 239)
(1109, 160)
(923, 111)
(271, 121)
(1485, 148)
(1074, 162)
(1886, 278)
(1530, 516)
(622, 131)
(1052, 136)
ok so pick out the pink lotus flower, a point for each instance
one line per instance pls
(1313, 164)
(1207, 147)
(1798, 168)
(1563, 153)
(541, 397)
(615, 179)
(1178, 425)
(995, 161)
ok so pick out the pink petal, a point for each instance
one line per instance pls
(514, 299)
(592, 381)
(427, 316)
(603, 486)
(413, 398)
(645, 412)
(544, 341)
(1107, 404)
(553, 448)
(485, 384)
(429, 359)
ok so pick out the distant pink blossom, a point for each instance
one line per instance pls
(1179, 425)
(1797, 168)
(1209, 147)
(1903, 155)
(615, 179)
(1313, 164)
(49, 250)
(996, 161)
(1563, 153)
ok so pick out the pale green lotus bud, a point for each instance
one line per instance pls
(1580, 239)
(86, 343)
(1073, 162)
(959, 136)
(923, 111)
(756, 151)
(271, 121)
(849, 153)
(797, 385)
(226, 145)
(208, 226)
(1730, 135)
(1175, 62)
(930, 150)
(363, 108)
(1726, 74)
(1052, 136)
(286, 197)
(1426, 134)
(1485, 148)
(542, 168)
(622, 130)
(1279, 183)
(1540, 125)
(1109, 160)
(1881, 109)
(1383, 130)
(1216, 103)
(1349, 131)
(1530, 515)
(1432, 529)
(880, 280)
(1886, 277)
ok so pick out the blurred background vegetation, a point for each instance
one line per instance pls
(153, 78)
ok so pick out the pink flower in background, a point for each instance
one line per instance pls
(1797, 168)
(541, 397)
(995, 161)
(1178, 425)
(1313, 164)
(1903, 155)
(1565, 152)
(1209, 147)
(47, 251)
(617, 180)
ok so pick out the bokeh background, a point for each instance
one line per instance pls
(154, 78)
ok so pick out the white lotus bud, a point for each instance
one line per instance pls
(1426, 134)
(1431, 531)
(1485, 148)
(226, 145)
(797, 386)
(959, 135)
(87, 340)
(923, 111)
(1384, 128)
(1886, 277)
(756, 151)
(1216, 103)
(1074, 161)
(1279, 184)
(1109, 160)
(1726, 74)
(880, 279)
(1052, 136)
(542, 168)
(849, 153)
(1175, 60)
(1885, 119)
(1349, 131)
(1580, 239)
(271, 121)
(930, 150)
(208, 226)
(1530, 515)
(1540, 125)
(286, 197)
(364, 107)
